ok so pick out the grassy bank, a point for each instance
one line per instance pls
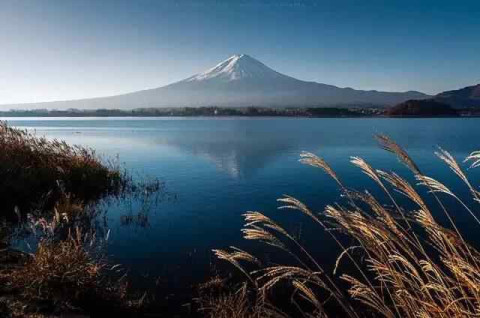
(36, 172)
(63, 277)
(402, 262)
(48, 191)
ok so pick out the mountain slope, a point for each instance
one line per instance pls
(239, 81)
(467, 97)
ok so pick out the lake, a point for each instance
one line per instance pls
(217, 169)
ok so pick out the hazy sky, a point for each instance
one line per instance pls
(57, 50)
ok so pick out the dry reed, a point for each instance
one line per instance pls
(35, 172)
(406, 264)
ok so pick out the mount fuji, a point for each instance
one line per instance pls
(239, 81)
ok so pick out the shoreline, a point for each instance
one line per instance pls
(225, 117)
(239, 112)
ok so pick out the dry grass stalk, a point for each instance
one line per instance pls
(64, 276)
(389, 145)
(404, 279)
(217, 300)
(475, 157)
(309, 158)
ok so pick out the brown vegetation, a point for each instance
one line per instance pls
(50, 186)
(36, 172)
(67, 273)
(404, 263)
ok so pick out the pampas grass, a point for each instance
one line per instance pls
(53, 189)
(36, 172)
(405, 263)
(67, 272)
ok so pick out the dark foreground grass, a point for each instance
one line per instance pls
(48, 191)
(68, 273)
(36, 172)
(61, 277)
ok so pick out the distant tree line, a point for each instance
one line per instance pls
(202, 111)
(416, 108)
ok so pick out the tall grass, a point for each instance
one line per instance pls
(64, 276)
(68, 272)
(54, 189)
(36, 172)
(402, 261)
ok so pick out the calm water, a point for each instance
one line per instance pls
(220, 168)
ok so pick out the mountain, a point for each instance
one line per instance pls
(238, 81)
(468, 97)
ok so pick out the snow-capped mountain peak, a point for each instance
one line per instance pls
(240, 81)
(236, 67)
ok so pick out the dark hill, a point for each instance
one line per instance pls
(422, 108)
(468, 97)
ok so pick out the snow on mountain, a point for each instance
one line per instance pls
(235, 68)
(239, 81)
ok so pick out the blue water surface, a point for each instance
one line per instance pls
(219, 168)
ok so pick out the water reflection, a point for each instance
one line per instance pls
(221, 168)
(232, 152)
(243, 147)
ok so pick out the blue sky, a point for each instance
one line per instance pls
(61, 49)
